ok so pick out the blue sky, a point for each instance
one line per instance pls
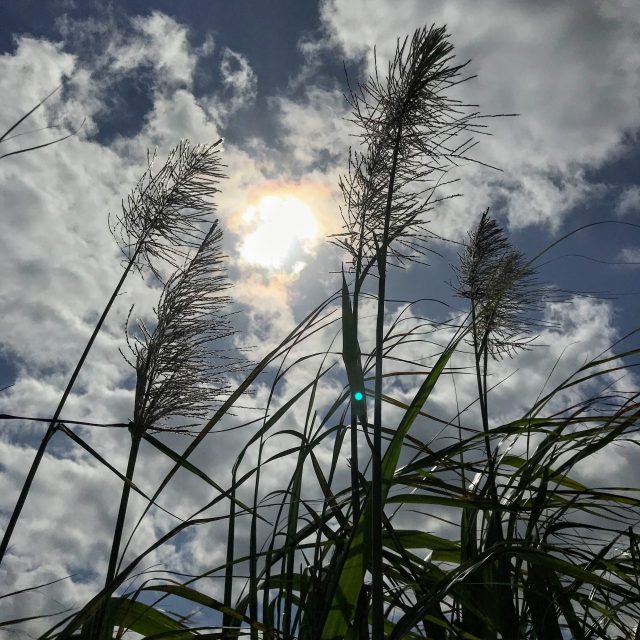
(269, 78)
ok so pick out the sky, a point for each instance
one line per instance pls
(269, 77)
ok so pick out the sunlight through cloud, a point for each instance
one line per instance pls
(276, 226)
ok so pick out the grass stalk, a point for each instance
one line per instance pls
(377, 506)
(53, 425)
(101, 630)
(355, 465)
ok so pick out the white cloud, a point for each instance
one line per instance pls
(174, 116)
(540, 198)
(45, 69)
(630, 255)
(238, 76)
(239, 87)
(33, 58)
(570, 69)
(315, 130)
(160, 42)
(629, 201)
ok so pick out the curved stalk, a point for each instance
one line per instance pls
(53, 425)
(117, 536)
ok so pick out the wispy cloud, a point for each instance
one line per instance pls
(160, 42)
(628, 201)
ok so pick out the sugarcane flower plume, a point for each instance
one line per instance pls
(180, 368)
(410, 131)
(168, 211)
(502, 288)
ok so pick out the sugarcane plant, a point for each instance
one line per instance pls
(503, 294)
(523, 549)
(159, 221)
(180, 374)
(410, 130)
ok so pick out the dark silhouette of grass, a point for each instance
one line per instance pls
(530, 552)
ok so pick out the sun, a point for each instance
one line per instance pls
(277, 227)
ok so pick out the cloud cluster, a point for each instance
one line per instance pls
(159, 42)
(572, 74)
(629, 201)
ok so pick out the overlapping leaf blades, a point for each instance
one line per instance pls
(527, 551)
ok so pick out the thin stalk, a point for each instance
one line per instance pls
(355, 474)
(294, 498)
(355, 470)
(253, 547)
(53, 425)
(122, 511)
(377, 584)
(481, 355)
(117, 536)
(227, 620)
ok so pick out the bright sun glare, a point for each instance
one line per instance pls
(277, 224)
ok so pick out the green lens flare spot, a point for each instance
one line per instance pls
(358, 395)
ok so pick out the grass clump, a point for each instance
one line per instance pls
(529, 551)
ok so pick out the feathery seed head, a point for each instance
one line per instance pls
(502, 288)
(405, 120)
(179, 372)
(164, 216)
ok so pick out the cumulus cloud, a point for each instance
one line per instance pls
(70, 105)
(570, 70)
(543, 198)
(174, 116)
(56, 243)
(315, 128)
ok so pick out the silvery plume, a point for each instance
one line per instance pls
(411, 131)
(501, 285)
(164, 216)
(179, 371)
